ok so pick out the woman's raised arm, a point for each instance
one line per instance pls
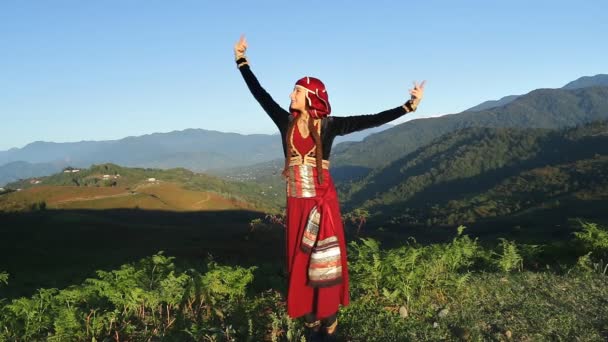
(350, 124)
(276, 113)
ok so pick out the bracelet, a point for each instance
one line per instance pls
(408, 106)
(241, 61)
(411, 105)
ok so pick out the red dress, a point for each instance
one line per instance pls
(302, 298)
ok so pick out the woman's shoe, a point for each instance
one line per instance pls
(313, 331)
(330, 331)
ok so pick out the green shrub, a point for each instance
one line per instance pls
(150, 298)
(446, 291)
(509, 258)
(412, 274)
(593, 238)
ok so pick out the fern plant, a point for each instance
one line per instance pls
(411, 274)
(140, 301)
(593, 238)
(509, 258)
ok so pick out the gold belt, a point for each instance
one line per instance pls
(308, 161)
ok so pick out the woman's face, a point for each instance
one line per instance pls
(298, 99)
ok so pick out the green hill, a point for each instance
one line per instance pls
(109, 185)
(543, 108)
(583, 82)
(478, 173)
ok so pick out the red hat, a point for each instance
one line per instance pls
(316, 94)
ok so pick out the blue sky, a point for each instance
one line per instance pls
(99, 70)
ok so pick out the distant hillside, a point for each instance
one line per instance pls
(583, 82)
(510, 170)
(15, 170)
(563, 187)
(111, 186)
(493, 103)
(200, 150)
(544, 108)
(588, 81)
(361, 135)
(194, 149)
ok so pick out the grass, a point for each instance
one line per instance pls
(459, 289)
(526, 306)
(156, 196)
(492, 306)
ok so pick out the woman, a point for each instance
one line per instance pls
(315, 244)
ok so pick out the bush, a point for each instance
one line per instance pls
(150, 298)
(509, 258)
(412, 274)
(420, 293)
(594, 239)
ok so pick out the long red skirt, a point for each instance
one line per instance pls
(302, 299)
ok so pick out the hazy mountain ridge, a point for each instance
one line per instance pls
(151, 146)
(541, 108)
(19, 169)
(194, 149)
(199, 150)
(493, 103)
(588, 81)
(583, 82)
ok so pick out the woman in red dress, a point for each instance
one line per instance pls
(315, 244)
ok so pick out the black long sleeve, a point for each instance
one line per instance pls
(345, 125)
(276, 113)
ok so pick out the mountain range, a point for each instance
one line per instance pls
(543, 108)
(583, 82)
(194, 149)
(581, 101)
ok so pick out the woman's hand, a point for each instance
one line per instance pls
(418, 91)
(416, 96)
(240, 47)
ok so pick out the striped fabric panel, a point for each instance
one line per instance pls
(325, 267)
(311, 231)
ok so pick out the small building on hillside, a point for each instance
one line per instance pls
(151, 179)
